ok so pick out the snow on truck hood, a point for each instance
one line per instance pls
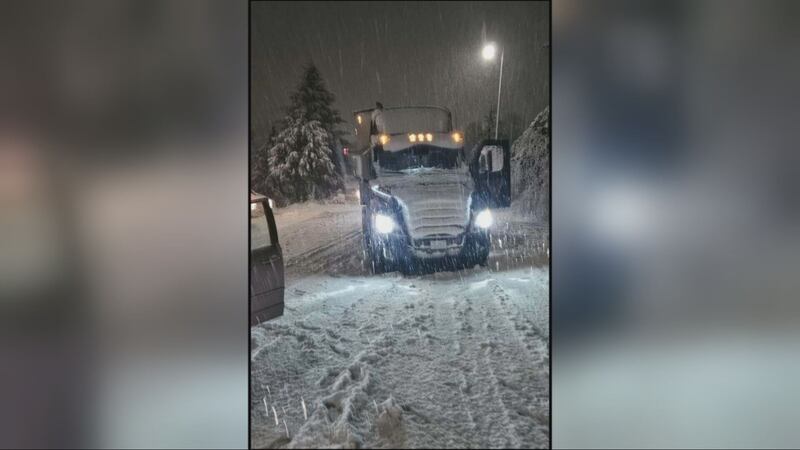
(435, 202)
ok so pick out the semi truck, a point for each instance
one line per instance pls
(424, 199)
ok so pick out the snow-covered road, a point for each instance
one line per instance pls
(449, 359)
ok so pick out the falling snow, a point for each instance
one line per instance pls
(446, 359)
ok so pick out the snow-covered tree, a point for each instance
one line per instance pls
(260, 180)
(316, 101)
(301, 161)
(301, 158)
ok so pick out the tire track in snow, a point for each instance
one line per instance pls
(488, 348)
(426, 333)
(491, 346)
(474, 365)
(503, 299)
(522, 399)
(315, 253)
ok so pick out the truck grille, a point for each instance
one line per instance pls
(438, 218)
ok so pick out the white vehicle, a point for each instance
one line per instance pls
(422, 202)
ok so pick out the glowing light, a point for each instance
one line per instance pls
(384, 224)
(384, 138)
(420, 137)
(412, 137)
(489, 50)
(484, 219)
(358, 118)
(457, 137)
(429, 137)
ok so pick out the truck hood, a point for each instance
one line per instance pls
(434, 202)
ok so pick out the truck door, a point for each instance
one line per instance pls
(491, 171)
(266, 264)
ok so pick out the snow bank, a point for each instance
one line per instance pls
(530, 170)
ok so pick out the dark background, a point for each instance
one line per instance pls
(143, 107)
(401, 53)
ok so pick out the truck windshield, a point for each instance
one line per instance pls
(421, 156)
(417, 120)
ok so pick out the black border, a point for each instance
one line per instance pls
(549, 234)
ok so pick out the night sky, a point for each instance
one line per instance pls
(401, 53)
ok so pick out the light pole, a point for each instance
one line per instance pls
(489, 50)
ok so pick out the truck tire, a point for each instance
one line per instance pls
(375, 262)
(377, 266)
(408, 266)
(477, 253)
(482, 260)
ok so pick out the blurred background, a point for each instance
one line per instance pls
(674, 302)
(123, 235)
(122, 283)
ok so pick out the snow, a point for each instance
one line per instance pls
(530, 170)
(448, 359)
(308, 227)
(301, 160)
(434, 201)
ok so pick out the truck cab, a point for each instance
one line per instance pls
(423, 200)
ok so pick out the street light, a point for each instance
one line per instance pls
(489, 51)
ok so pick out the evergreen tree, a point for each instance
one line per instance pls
(316, 101)
(260, 180)
(301, 161)
(301, 158)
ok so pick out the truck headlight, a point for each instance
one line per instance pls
(384, 224)
(484, 219)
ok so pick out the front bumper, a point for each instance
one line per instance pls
(396, 247)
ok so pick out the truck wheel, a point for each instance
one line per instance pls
(470, 261)
(408, 266)
(406, 263)
(375, 261)
(377, 266)
(483, 259)
(478, 253)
